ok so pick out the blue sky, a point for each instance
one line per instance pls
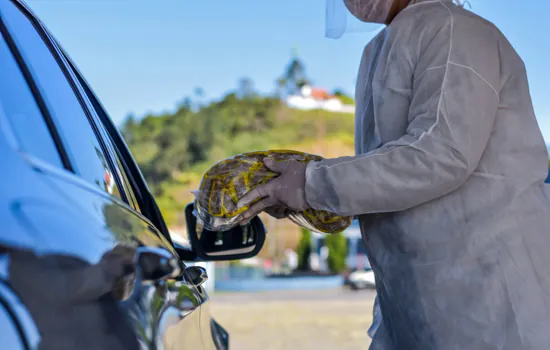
(144, 56)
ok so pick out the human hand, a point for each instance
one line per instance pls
(277, 211)
(287, 190)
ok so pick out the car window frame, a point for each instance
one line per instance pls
(59, 58)
(100, 120)
(121, 173)
(39, 99)
(145, 199)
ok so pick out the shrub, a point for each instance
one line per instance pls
(304, 250)
(337, 252)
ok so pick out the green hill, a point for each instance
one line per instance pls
(174, 150)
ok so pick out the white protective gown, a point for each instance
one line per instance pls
(448, 185)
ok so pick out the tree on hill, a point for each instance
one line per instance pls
(174, 149)
(342, 96)
(293, 78)
(245, 89)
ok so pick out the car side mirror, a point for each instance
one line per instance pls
(240, 242)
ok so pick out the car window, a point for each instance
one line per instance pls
(76, 131)
(21, 109)
(127, 182)
(121, 168)
(11, 338)
(125, 179)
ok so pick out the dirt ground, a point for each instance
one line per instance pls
(334, 319)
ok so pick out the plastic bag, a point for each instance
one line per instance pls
(229, 180)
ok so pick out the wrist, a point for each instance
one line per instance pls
(308, 184)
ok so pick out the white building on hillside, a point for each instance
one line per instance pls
(313, 98)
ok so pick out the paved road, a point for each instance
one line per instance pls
(316, 295)
(332, 319)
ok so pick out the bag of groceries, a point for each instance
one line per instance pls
(229, 180)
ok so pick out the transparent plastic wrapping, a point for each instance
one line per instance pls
(229, 180)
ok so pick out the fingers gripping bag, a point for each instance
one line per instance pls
(229, 180)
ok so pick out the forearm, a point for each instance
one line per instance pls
(396, 177)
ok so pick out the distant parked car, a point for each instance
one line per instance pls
(361, 279)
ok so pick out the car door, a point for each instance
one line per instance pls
(213, 335)
(175, 333)
(81, 203)
(140, 196)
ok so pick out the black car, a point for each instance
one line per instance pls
(70, 191)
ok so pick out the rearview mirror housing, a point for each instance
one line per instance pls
(241, 242)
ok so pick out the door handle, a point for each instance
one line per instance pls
(198, 275)
(155, 264)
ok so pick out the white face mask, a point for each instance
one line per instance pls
(372, 11)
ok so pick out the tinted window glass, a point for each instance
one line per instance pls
(126, 180)
(120, 165)
(10, 338)
(74, 127)
(19, 106)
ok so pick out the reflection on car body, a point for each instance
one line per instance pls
(70, 194)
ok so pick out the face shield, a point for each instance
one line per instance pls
(339, 21)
